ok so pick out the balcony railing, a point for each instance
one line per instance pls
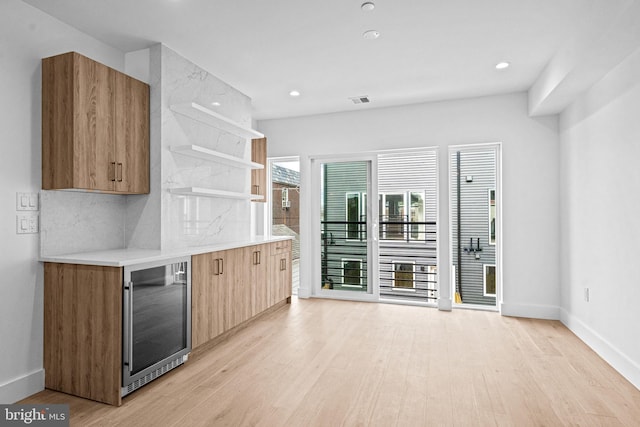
(344, 252)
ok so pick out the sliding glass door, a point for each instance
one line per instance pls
(347, 226)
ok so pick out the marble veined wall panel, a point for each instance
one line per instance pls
(74, 221)
(190, 220)
(143, 219)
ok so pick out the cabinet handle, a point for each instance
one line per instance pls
(257, 187)
(119, 169)
(216, 267)
(283, 264)
(112, 171)
(256, 257)
(221, 265)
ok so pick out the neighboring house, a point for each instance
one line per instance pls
(285, 195)
(477, 224)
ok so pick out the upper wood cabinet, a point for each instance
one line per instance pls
(95, 127)
(259, 176)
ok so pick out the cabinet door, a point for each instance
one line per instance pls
(208, 297)
(280, 272)
(77, 123)
(218, 314)
(239, 286)
(131, 115)
(94, 158)
(259, 276)
(259, 176)
(201, 299)
(83, 330)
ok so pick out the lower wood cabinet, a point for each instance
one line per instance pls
(280, 272)
(259, 278)
(83, 330)
(229, 287)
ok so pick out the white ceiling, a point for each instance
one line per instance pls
(428, 50)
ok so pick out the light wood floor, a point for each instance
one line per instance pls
(331, 363)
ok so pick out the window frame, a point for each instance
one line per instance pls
(358, 231)
(492, 215)
(413, 276)
(343, 261)
(485, 267)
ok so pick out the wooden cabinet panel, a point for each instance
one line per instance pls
(209, 297)
(280, 271)
(230, 287)
(259, 176)
(95, 127)
(201, 299)
(93, 136)
(131, 135)
(83, 330)
(238, 276)
(259, 278)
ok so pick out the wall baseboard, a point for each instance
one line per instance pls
(445, 304)
(548, 312)
(19, 388)
(304, 292)
(614, 357)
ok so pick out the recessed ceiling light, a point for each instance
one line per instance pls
(502, 65)
(371, 34)
(216, 104)
(294, 93)
(368, 6)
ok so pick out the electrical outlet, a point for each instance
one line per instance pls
(586, 294)
(27, 202)
(27, 223)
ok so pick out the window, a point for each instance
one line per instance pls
(404, 275)
(353, 215)
(392, 216)
(416, 215)
(492, 217)
(397, 216)
(352, 273)
(489, 280)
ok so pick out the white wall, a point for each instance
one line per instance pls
(530, 159)
(600, 193)
(26, 36)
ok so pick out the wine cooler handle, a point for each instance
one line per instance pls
(128, 330)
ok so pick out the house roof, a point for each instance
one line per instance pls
(285, 176)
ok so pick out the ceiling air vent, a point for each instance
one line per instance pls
(364, 99)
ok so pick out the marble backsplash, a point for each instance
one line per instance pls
(74, 221)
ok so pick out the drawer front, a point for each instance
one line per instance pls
(281, 247)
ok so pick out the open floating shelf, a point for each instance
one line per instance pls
(206, 154)
(208, 117)
(208, 192)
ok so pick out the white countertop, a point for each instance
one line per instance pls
(124, 257)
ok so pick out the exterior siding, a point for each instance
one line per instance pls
(403, 173)
(340, 179)
(480, 166)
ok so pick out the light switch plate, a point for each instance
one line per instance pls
(27, 223)
(27, 202)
